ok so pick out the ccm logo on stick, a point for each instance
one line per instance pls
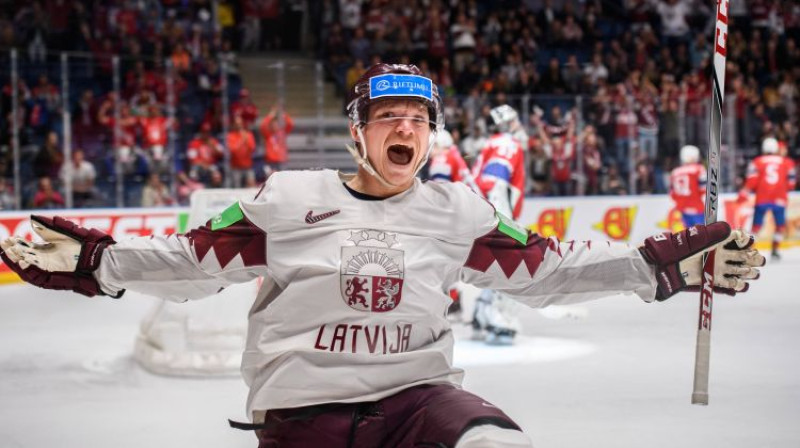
(722, 27)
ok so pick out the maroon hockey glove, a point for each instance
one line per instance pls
(678, 259)
(65, 260)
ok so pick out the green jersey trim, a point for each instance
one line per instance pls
(231, 215)
(507, 226)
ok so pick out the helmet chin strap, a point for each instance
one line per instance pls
(363, 161)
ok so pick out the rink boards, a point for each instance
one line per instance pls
(617, 218)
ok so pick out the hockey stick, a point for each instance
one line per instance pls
(703, 349)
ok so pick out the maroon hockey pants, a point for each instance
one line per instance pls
(422, 416)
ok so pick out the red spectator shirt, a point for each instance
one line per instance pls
(771, 177)
(154, 131)
(275, 148)
(562, 156)
(242, 145)
(127, 131)
(203, 152)
(247, 111)
(688, 188)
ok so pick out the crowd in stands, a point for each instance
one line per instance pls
(630, 77)
(147, 36)
(640, 67)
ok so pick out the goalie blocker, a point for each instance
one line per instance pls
(70, 254)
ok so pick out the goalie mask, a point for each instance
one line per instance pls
(383, 82)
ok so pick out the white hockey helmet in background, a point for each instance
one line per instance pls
(769, 146)
(443, 139)
(690, 154)
(503, 117)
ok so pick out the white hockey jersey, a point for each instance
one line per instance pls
(353, 307)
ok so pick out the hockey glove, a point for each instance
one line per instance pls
(677, 258)
(65, 260)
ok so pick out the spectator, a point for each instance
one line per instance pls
(275, 128)
(125, 146)
(49, 159)
(552, 82)
(46, 196)
(44, 102)
(203, 154)
(241, 146)
(350, 15)
(462, 35)
(645, 182)
(592, 160)
(269, 13)
(647, 122)
(217, 181)
(353, 73)
(84, 117)
(624, 129)
(572, 75)
(7, 201)
(571, 32)
(245, 107)
(155, 135)
(561, 151)
(155, 193)
(596, 69)
(360, 46)
(674, 20)
(613, 183)
(539, 169)
(82, 176)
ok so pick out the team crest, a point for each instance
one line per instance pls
(371, 271)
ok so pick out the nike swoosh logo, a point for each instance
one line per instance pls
(312, 219)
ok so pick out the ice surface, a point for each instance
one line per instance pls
(620, 377)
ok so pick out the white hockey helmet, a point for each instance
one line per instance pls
(690, 154)
(443, 139)
(387, 81)
(503, 117)
(769, 146)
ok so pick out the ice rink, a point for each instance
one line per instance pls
(620, 377)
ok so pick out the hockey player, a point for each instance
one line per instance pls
(771, 176)
(688, 186)
(500, 168)
(348, 342)
(500, 173)
(446, 163)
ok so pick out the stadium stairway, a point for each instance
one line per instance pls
(320, 133)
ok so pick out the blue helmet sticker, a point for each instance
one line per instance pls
(400, 85)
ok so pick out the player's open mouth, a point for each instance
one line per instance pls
(401, 154)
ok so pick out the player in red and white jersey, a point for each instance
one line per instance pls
(499, 170)
(446, 163)
(688, 186)
(348, 338)
(771, 176)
